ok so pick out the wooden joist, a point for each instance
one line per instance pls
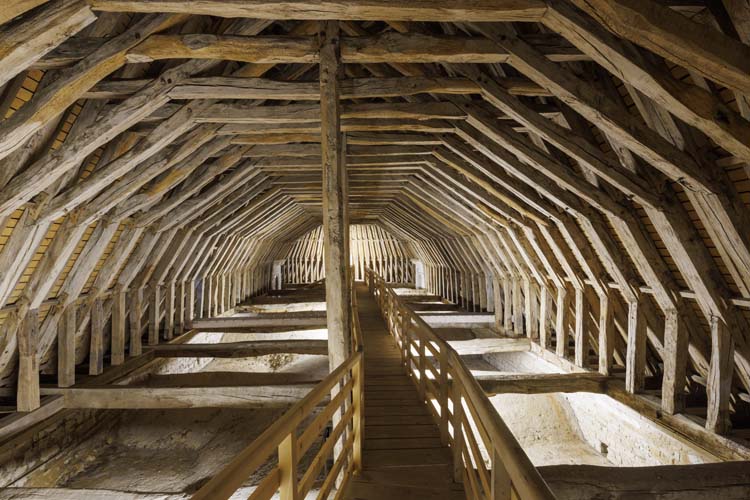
(122, 397)
(543, 383)
(277, 320)
(245, 349)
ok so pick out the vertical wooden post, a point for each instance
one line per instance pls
(561, 321)
(581, 329)
(335, 212)
(154, 314)
(545, 309)
(635, 358)
(498, 298)
(606, 335)
(169, 311)
(136, 309)
(96, 352)
(27, 397)
(118, 327)
(288, 458)
(189, 305)
(719, 386)
(508, 309)
(532, 309)
(179, 314)
(517, 307)
(201, 306)
(207, 311)
(66, 347)
(675, 363)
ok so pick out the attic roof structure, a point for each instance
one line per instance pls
(525, 212)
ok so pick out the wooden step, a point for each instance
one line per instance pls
(402, 443)
(431, 476)
(376, 411)
(360, 490)
(378, 459)
(399, 420)
(401, 431)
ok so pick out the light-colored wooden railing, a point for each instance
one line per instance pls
(290, 440)
(465, 415)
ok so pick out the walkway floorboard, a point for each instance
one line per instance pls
(403, 455)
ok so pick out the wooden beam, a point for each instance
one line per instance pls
(74, 81)
(335, 199)
(383, 48)
(310, 113)
(229, 87)
(18, 7)
(119, 397)
(693, 104)
(432, 10)
(543, 383)
(26, 42)
(245, 349)
(698, 47)
(268, 321)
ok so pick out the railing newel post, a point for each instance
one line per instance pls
(358, 395)
(502, 488)
(458, 434)
(422, 368)
(444, 391)
(288, 459)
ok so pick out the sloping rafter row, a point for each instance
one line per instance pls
(578, 167)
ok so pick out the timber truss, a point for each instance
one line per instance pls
(588, 160)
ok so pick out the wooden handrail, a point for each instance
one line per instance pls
(511, 470)
(346, 409)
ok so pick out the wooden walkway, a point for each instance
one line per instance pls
(403, 456)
